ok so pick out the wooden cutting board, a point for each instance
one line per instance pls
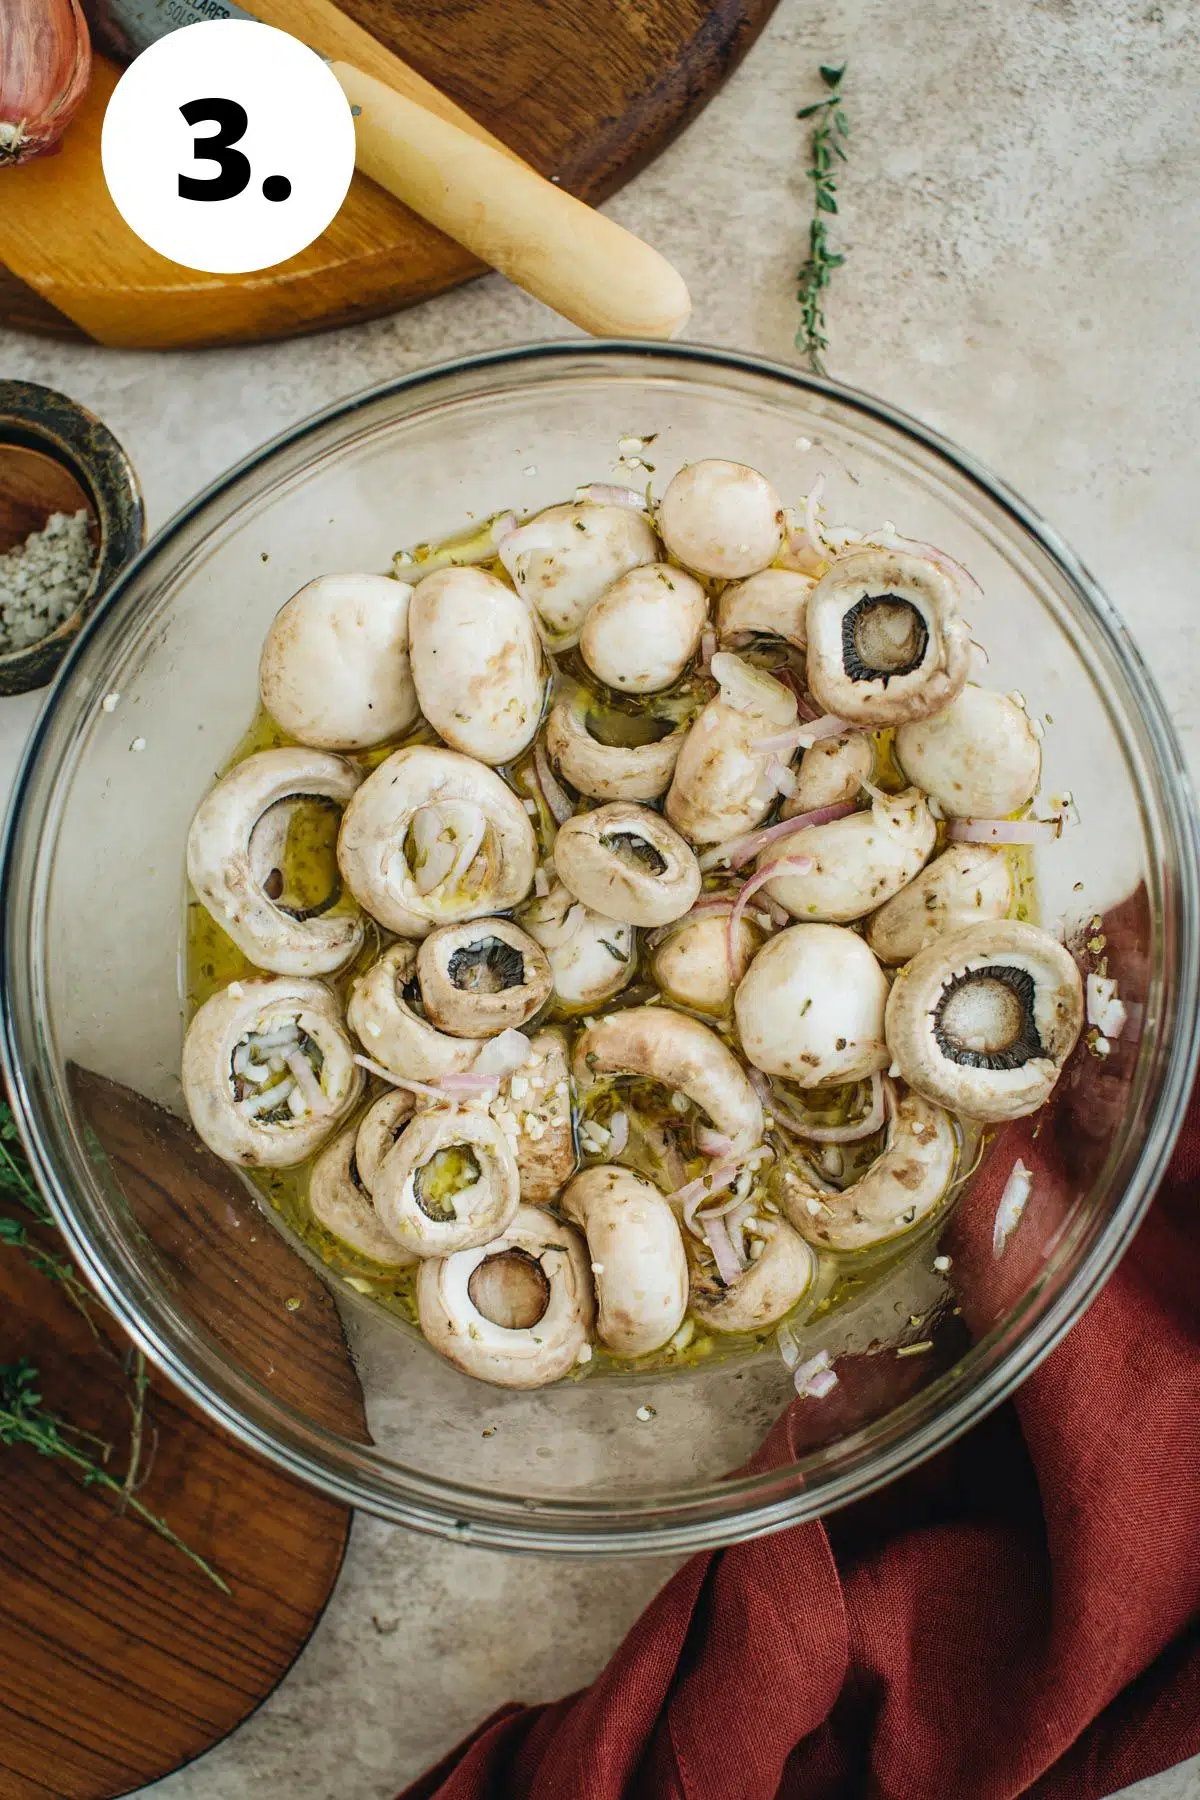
(586, 93)
(120, 1659)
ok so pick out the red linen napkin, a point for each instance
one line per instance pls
(1018, 1617)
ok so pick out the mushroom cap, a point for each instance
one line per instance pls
(477, 663)
(680, 1053)
(645, 629)
(476, 812)
(831, 772)
(591, 957)
(334, 670)
(378, 1130)
(771, 1286)
(966, 883)
(899, 1190)
(232, 835)
(534, 1109)
(564, 558)
(544, 1254)
(382, 1012)
(720, 787)
(637, 1255)
(343, 1206)
(721, 518)
(251, 1009)
(482, 976)
(691, 963)
(770, 604)
(858, 861)
(608, 771)
(978, 757)
(449, 1183)
(627, 863)
(886, 641)
(1000, 991)
(810, 1007)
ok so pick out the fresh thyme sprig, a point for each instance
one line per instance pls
(830, 132)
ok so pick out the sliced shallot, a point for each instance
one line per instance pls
(729, 1263)
(1005, 831)
(1013, 1201)
(556, 799)
(712, 1143)
(605, 493)
(872, 1120)
(802, 736)
(783, 865)
(739, 850)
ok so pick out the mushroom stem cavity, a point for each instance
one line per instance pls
(449, 1183)
(985, 1018)
(483, 977)
(626, 862)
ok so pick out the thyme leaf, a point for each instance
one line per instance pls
(831, 129)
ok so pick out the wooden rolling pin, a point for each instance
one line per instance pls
(585, 266)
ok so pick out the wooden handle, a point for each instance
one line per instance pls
(587, 267)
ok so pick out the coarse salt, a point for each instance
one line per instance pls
(43, 580)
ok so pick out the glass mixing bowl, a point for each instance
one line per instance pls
(93, 888)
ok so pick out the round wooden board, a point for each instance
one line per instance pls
(121, 1659)
(586, 95)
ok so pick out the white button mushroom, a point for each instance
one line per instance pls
(978, 758)
(581, 739)
(721, 518)
(342, 1204)
(387, 1015)
(770, 604)
(476, 663)
(645, 629)
(858, 861)
(899, 1190)
(690, 962)
(378, 1130)
(431, 837)
(721, 786)
(680, 1054)
(449, 1183)
(534, 1109)
(562, 560)
(886, 641)
(517, 1311)
(591, 957)
(634, 1243)
(967, 883)
(237, 861)
(627, 863)
(334, 670)
(983, 1019)
(831, 772)
(268, 1071)
(770, 1283)
(482, 977)
(810, 1006)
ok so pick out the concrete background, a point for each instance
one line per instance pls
(1023, 232)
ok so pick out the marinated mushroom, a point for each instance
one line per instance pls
(721, 786)
(901, 1187)
(517, 1311)
(386, 1013)
(482, 977)
(585, 743)
(983, 1019)
(858, 861)
(978, 758)
(432, 837)
(811, 1006)
(534, 1110)
(721, 518)
(690, 962)
(476, 663)
(886, 641)
(627, 863)
(450, 1182)
(967, 883)
(773, 1280)
(681, 1054)
(334, 670)
(770, 604)
(831, 772)
(645, 629)
(268, 1071)
(378, 1130)
(238, 860)
(637, 1256)
(564, 558)
(341, 1202)
(591, 957)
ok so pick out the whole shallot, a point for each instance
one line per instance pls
(45, 61)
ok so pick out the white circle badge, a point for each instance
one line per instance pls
(228, 146)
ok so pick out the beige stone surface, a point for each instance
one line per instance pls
(1023, 232)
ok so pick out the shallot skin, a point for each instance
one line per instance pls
(45, 64)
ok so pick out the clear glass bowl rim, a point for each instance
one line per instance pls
(722, 1511)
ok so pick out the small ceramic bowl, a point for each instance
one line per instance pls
(55, 456)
